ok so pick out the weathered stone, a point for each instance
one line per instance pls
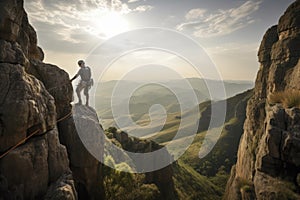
(63, 188)
(11, 52)
(232, 188)
(265, 48)
(28, 170)
(87, 170)
(268, 155)
(14, 27)
(291, 19)
(58, 162)
(268, 187)
(27, 106)
(10, 19)
(57, 84)
(24, 167)
(24, 104)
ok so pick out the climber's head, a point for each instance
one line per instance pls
(81, 63)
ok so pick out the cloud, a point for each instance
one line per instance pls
(74, 22)
(234, 49)
(133, 1)
(143, 8)
(195, 13)
(222, 22)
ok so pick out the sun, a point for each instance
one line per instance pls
(110, 24)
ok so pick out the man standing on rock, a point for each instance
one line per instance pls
(85, 83)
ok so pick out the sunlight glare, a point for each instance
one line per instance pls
(110, 24)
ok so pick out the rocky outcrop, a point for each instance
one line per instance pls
(162, 178)
(36, 96)
(17, 32)
(87, 171)
(268, 155)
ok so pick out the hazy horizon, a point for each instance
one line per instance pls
(170, 79)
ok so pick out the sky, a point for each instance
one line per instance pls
(229, 31)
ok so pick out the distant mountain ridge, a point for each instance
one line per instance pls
(232, 87)
(145, 97)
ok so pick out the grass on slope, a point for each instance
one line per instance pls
(191, 185)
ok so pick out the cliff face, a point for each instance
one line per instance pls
(269, 151)
(40, 165)
(35, 98)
